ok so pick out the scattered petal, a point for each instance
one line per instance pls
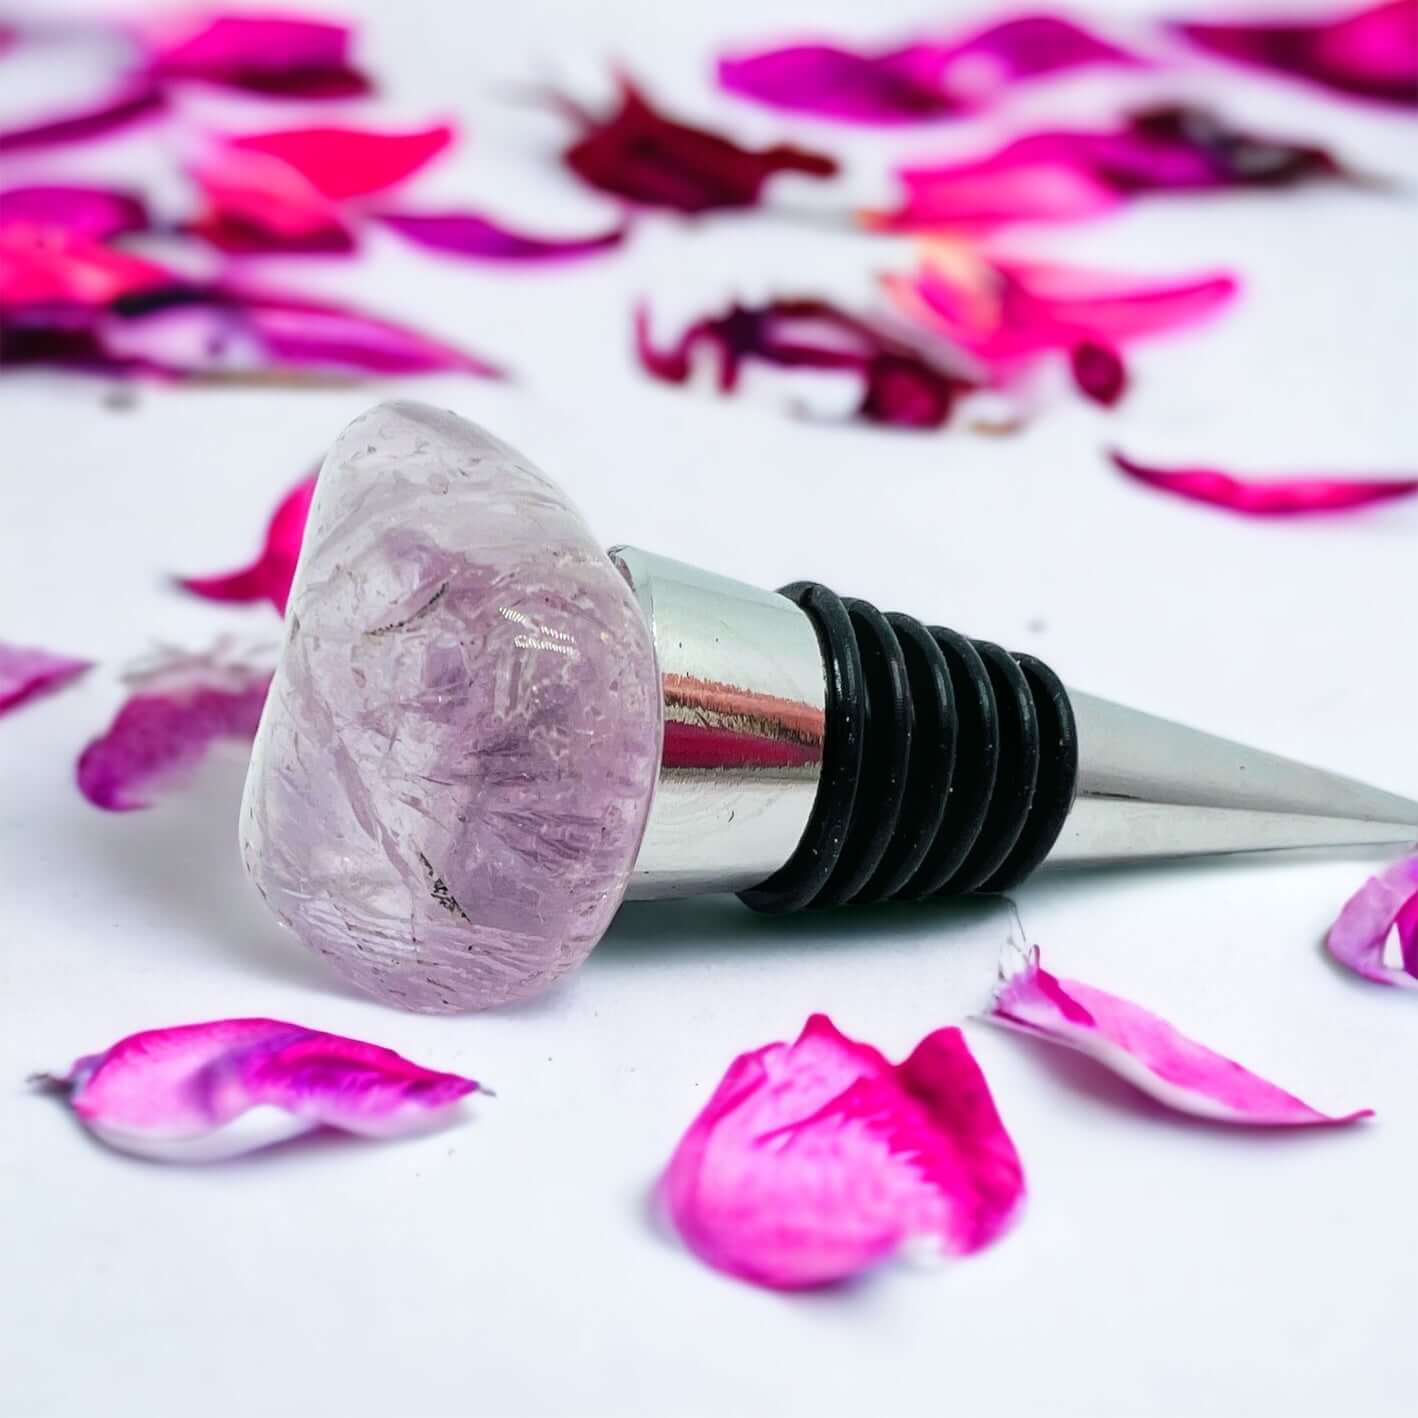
(175, 712)
(134, 101)
(1384, 909)
(205, 1092)
(1148, 1052)
(816, 1160)
(98, 213)
(1370, 53)
(269, 577)
(925, 79)
(340, 163)
(1276, 497)
(28, 674)
(639, 154)
(1073, 174)
(473, 235)
(1099, 372)
(256, 203)
(58, 266)
(289, 56)
(900, 386)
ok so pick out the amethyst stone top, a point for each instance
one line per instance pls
(456, 760)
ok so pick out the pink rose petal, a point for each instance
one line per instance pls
(816, 1160)
(481, 238)
(1370, 53)
(269, 577)
(257, 203)
(27, 674)
(924, 79)
(1148, 1052)
(175, 712)
(204, 1092)
(1277, 497)
(98, 213)
(639, 154)
(136, 100)
(48, 265)
(283, 55)
(341, 163)
(1385, 908)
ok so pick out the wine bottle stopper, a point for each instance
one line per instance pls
(485, 732)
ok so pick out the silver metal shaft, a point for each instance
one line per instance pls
(745, 697)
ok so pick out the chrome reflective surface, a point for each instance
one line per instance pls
(744, 706)
(1150, 788)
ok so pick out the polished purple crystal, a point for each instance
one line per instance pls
(456, 760)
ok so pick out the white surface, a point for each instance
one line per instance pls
(509, 1266)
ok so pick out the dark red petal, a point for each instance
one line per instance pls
(1099, 372)
(1282, 497)
(473, 235)
(340, 163)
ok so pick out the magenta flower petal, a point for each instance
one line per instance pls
(135, 100)
(256, 203)
(922, 80)
(175, 712)
(1385, 908)
(1148, 1052)
(27, 674)
(1278, 497)
(57, 266)
(340, 163)
(203, 1092)
(288, 56)
(473, 235)
(816, 1160)
(1370, 53)
(269, 577)
(1099, 372)
(98, 213)
(640, 155)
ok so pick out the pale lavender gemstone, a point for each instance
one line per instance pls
(456, 760)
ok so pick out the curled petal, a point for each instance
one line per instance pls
(1099, 372)
(288, 56)
(204, 1092)
(925, 79)
(269, 577)
(257, 203)
(27, 674)
(1383, 910)
(473, 235)
(1148, 1052)
(1276, 497)
(1370, 53)
(58, 266)
(816, 1160)
(98, 213)
(134, 101)
(175, 712)
(639, 154)
(340, 163)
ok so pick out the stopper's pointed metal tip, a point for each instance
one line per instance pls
(1149, 788)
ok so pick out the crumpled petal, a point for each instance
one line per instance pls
(900, 386)
(1099, 372)
(816, 1160)
(1383, 910)
(269, 577)
(1074, 174)
(1276, 497)
(477, 236)
(176, 710)
(289, 56)
(205, 1092)
(921, 80)
(51, 265)
(640, 155)
(98, 213)
(340, 163)
(136, 99)
(27, 674)
(257, 203)
(1007, 313)
(1370, 53)
(1148, 1052)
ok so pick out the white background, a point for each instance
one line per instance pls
(511, 1265)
